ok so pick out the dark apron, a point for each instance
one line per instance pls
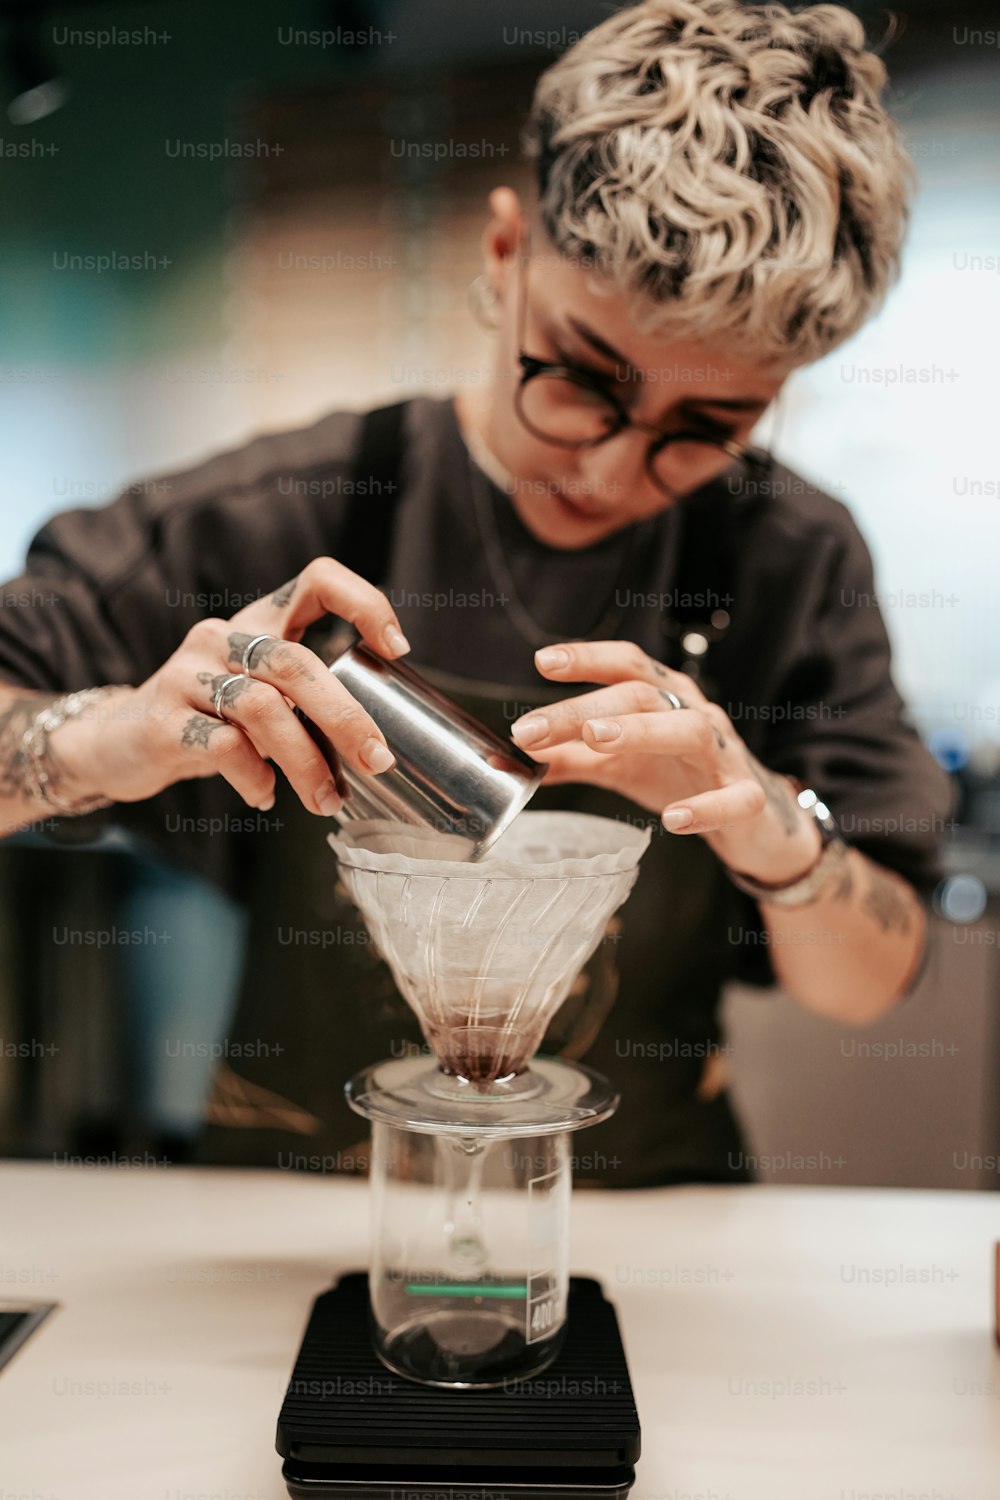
(316, 1004)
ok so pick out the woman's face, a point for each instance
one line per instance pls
(572, 498)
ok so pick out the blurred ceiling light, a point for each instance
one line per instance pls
(961, 898)
(38, 90)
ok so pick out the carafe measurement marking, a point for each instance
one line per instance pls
(541, 1309)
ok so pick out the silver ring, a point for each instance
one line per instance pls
(250, 648)
(220, 690)
(672, 699)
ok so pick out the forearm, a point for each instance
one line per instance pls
(850, 954)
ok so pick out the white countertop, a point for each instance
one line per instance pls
(785, 1343)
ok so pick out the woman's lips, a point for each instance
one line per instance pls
(578, 512)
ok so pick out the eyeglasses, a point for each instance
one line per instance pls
(572, 408)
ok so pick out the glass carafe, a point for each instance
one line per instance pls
(470, 1198)
(469, 1267)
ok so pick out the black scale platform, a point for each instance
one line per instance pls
(349, 1427)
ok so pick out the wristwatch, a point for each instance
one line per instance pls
(807, 888)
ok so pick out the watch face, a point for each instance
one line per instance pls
(826, 820)
(810, 802)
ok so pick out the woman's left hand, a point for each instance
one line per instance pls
(687, 764)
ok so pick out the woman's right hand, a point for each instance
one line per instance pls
(136, 741)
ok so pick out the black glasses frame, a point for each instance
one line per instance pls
(533, 368)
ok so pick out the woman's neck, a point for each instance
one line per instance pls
(472, 411)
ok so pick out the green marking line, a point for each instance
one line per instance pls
(464, 1289)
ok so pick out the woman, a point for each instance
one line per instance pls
(587, 555)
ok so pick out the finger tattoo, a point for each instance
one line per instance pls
(198, 730)
(234, 688)
(720, 738)
(282, 596)
(266, 652)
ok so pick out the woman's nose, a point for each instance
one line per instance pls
(617, 470)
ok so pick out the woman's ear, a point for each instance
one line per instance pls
(503, 236)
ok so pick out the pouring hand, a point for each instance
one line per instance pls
(199, 715)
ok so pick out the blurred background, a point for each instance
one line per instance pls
(221, 219)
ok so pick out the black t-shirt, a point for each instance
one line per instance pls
(803, 670)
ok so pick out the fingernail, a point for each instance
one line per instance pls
(604, 729)
(677, 817)
(266, 805)
(328, 800)
(376, 756)
(551, 658)
(529, 731)
(396, 640)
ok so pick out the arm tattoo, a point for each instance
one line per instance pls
(844, 889)
(198, 730)
(281, 596)
(779, 796)
(888, 900)
(15, 717)
(234, 690)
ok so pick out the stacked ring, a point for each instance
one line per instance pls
(672, 699)
(250, 648)
(220, 691)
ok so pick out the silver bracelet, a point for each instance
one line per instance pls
(35, 745)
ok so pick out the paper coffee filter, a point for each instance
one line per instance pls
(486, 952)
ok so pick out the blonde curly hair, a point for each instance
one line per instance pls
(732, 166)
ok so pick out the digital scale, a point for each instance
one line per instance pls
(350, 1427)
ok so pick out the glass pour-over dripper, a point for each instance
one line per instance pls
(485, 953)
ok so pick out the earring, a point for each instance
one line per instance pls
(484, 303)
